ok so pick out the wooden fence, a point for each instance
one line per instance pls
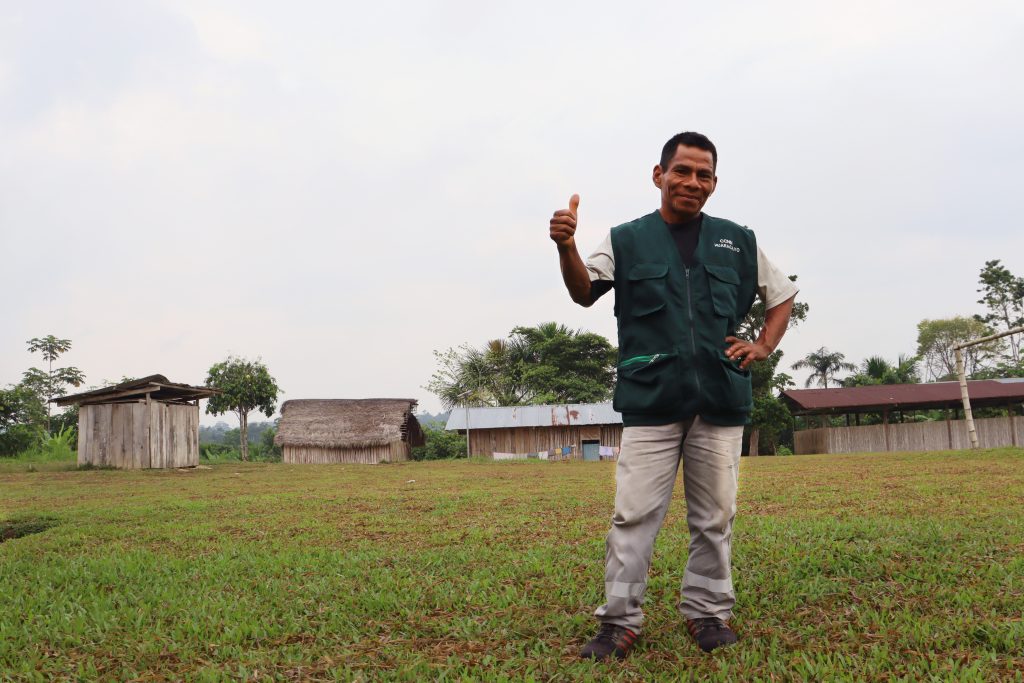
(993, 432)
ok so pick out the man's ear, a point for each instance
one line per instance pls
(656, 176)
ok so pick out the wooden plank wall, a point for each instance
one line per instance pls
(396, 451)
(120, 435)
(993, 432)
(533, 439)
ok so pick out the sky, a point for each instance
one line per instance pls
(342, 188)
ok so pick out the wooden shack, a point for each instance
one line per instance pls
(590, 431)
(367, 431)
(140, 424)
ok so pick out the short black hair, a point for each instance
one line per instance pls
(689, 139)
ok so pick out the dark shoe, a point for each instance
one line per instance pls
(611, 641)
(711, 633)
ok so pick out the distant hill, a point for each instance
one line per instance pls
(425, 419)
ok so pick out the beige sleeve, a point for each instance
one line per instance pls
(601, 264)
(772, 284)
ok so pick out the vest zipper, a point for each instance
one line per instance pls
(641, 359)
(693, 338)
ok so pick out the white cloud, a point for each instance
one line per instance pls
(342, 188)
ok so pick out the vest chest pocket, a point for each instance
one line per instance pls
(724, 283)
(648, 284)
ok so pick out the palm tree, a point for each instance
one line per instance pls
(877, 370)
(824, 365)
(906, 369)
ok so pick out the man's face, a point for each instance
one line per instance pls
(686, 183)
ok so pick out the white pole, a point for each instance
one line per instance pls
(464, 395)
(961, 369)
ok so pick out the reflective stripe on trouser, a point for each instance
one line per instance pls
(644, 477)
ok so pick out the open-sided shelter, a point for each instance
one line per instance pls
(367, 431)
(584, 428)
(139, 424)
(893, 402)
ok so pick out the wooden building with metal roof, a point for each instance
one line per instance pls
(590, 431)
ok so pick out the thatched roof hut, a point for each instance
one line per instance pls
(369, 431)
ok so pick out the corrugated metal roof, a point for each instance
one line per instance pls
(576, 414)
(988, 392)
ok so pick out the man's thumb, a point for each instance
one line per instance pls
(574, 203)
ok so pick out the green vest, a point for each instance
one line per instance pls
(673, 321)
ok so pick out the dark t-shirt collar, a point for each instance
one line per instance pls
(692, 224)
(686, 236)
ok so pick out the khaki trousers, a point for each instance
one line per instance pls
(644, 477)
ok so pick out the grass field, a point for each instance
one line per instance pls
(856, 567)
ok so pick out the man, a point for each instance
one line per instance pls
(683, 281)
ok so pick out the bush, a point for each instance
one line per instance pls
(58, 447)
(783, 450)
(66, 420)
(218, 451)
(440, 445)
(258, 452)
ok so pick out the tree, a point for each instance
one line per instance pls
(773, 421)
(268, 449)
(21, 418)
(752, 324)
(770, 417)
(824, 365)
(935, 341)
(877, 370)
(564, 365)
(1003, 295)
(482, 377)
(245, 386)
(549, 363)
(52, 382)
(440, 444)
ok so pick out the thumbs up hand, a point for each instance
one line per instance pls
(563, 224)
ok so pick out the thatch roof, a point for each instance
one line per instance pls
(156, 386)
(348, 423)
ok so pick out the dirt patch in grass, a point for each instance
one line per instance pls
(16, 527)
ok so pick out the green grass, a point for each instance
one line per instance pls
(858, 567)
